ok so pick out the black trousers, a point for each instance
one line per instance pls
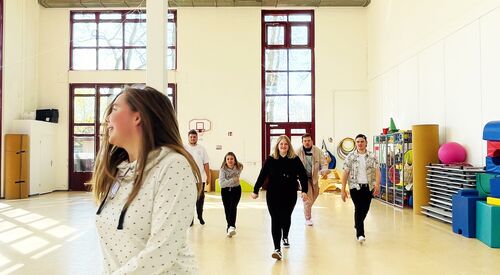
(361, 199)
(200, 201)
(230, 198)
(280, 206)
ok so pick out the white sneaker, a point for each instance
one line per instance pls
(309, 222)
(277, 255)
(361, 239)
(231, 231)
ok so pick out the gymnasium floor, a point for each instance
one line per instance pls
(55, 234)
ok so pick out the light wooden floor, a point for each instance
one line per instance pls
(55, 234)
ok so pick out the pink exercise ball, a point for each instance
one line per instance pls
(452, 152)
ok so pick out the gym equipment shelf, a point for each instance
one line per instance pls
(444, 181)
(390, 150)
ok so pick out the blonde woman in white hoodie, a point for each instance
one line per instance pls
(146, 185)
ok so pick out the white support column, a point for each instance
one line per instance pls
(156, 73)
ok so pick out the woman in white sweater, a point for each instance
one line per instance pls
(146, 186)
(229, 180)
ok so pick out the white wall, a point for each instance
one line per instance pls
(20, 74)
(341, 81)
(219, 80)
(436, 62)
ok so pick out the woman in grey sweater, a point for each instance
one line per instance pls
(229, 180)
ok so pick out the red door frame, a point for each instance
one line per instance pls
(77, 179)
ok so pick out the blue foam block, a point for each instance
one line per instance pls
(495, 187)
(491, 131)
(492, 166)
(464, 212)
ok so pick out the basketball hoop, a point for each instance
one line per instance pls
(200, 125)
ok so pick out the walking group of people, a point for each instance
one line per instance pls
(146, 184)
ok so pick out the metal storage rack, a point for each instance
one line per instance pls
(390, 150)
(443, 182)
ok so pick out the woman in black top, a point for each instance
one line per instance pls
(282, 169)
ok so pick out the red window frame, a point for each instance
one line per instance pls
(267, 126)
(172, 18)
(173, 86)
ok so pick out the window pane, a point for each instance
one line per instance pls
(171, 98)
(300, 59)
(276, 83)
(276, 60)
(110, 59)
(275, 35)
(135, 34)
(171, 59)
(300, 83)
(110, 35)
(84, 109)
(299, 35)
(84, 91)
(296, 142)
(300, 108)
(83, 154)
(135, 59)
(84, 130)
(278, 131)
(273, 141)
(80, 16)
(106, 15)
(299, 18)
(110, 91)
(274, 18)
(84, 34)
(298, 131)
(136, 15)
(171, 16)
(276, 109)
(103, 106)
(84, 59)
(171, 34)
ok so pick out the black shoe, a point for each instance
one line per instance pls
(201, 220)
(192, 222)
(286, 243)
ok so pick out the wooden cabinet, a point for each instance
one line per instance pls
(16, 170)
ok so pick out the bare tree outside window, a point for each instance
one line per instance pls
(115, 40)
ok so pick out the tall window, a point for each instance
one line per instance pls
(172, 40)
(287, 75)
(114, 40)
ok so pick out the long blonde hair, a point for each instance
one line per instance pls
(159, 128)
(276, 152)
